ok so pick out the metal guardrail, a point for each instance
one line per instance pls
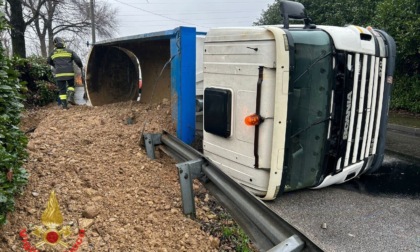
(266, 229)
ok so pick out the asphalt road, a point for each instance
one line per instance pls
(377, 212)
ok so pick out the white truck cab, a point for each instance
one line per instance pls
(291, 107)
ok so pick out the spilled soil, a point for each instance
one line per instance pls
(105, 184)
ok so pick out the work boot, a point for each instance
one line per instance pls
(70, 97)
(64, 104)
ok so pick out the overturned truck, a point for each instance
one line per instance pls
(285, 107)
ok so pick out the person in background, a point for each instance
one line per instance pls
(62, 61)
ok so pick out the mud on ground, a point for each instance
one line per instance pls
(105, 183)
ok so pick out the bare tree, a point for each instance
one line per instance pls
(105, 20)
(15, 13)
(70, 18)
(43, 24)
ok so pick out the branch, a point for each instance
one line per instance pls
(68, 25)
(71, 28)
(36, 14)
(7, 10)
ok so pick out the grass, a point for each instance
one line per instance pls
(232, 237)
(404, 118)
(237, 237)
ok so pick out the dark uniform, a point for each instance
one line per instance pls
(62, 61)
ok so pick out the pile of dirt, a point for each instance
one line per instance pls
(104, 182)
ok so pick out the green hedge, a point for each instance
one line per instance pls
(12, 141)
(36, 74)
(406, 93)
(22, 81)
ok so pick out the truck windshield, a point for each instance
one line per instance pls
(309, 111)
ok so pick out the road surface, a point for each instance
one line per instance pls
(377, 212)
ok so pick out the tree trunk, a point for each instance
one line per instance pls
(48, 24)
(18, 28)
(43, 46)
(50, 39)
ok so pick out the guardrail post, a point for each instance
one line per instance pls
(188, 171)
(291, 244)
(150, 140)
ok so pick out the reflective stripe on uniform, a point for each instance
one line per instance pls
(61, 55)
(63, 97)
(70, 88)
(64, 74)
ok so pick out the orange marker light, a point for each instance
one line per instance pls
(252, 120)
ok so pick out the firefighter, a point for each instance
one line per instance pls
(62, 61)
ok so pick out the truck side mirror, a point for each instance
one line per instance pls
(295, 10)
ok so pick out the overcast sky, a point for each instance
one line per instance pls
(145, 16)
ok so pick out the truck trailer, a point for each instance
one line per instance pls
(287, 107)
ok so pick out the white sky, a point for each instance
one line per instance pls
(145, 16)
